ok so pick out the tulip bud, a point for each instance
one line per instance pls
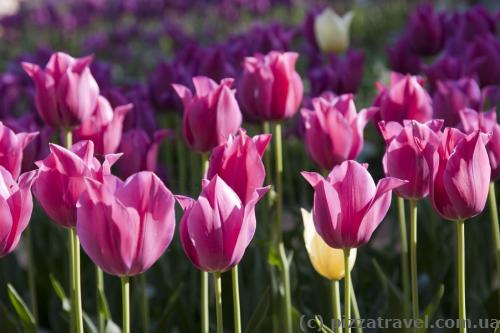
(326, 260)
(11, 148)
(332, 31)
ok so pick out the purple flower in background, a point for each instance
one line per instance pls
(425, 30)
(483, 60)
(402, 59)
(162, 95)
(445, 68)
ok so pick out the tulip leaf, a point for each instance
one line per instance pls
(22, 310)
(430, 310)
(56, 285)
(103, 304)
(112, 327)
(7, 322)
(395, 302)
(172, 300)
(324, 328)
(89, 324)
(260, 312)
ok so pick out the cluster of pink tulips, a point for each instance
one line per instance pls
(125, 226)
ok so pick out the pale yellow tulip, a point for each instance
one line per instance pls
(327, 261)
(332, 31)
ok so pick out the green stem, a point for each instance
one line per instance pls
(126, 303)
(278, 151)
(413, 261)
(337, 317)
(100, 291)
(72, 322)
(145, 303)
(236, 299)
(495, 226)
(461, 275)
(76, 277)
(405, 268)
(31, 274)
(218, 302)
(285, 268)
(204, 275)
(266, 128)
(347, 291)
(355, 309)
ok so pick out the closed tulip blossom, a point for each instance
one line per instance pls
(403, 157)
(11, 148)
(460, 172)
(66, 91)
(425, 31)
(348, 206)
(61, 179)
(326, 260)
(270, 88)
(452, 96)
(332, 31)
(485, 122)
(16, 204)
(239, 163)
(216, 229)
(405, 98)
(124, 227)
(104, 127)
(211, 115)
(334, 130)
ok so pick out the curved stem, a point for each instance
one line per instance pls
(405, 268)
(145, 303)
(413, 260)
(355, 309)
(100, 291)
(337, 317)
(236, 299)
(31, 274)
(461, 275)
(495, 228)
(126, 303)
(218, 302)
(347, 291)
(77, 284)
(285, 268)
(205, 317)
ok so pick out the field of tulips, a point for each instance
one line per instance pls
(249, 166)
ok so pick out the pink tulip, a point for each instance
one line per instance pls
(11, 148)
(124, 227)
(404, 159)
(270, 88)
(405, 98)
(140, 152)
(348, 207)
(216, 229)
(460, 174)
(334, 130)
(104, 127)
(66, 91)
(239, 163)
(16, 205)
(60, 180)
(211, 115)
(485, 122)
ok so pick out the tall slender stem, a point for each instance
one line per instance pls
(461, 276)
(72, 322)
(278, 151)
(205, 317)
(77, 284)
(266, 128)
(31, 274)
(218, 301)
(126, 304)
(405, 268)
(495, 228)
(144, 302)
(337, 317)
(413, 261)
(286, 283)
(347, 291)
(100, 291)
(355, 309)
(236, 299)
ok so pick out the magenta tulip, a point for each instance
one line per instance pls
(485, 122)
(405, 98)
(460, 172)
(404, 159)
(348, 207)
(239, 163)
(66, 91)
(140, 152)
(270, 87)
(16, 205)
(61, 179)
(211, 115)
(216, 229)
(124, 227)
(334, 130)
(11, 148)
(104, 127)
(452, 96)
